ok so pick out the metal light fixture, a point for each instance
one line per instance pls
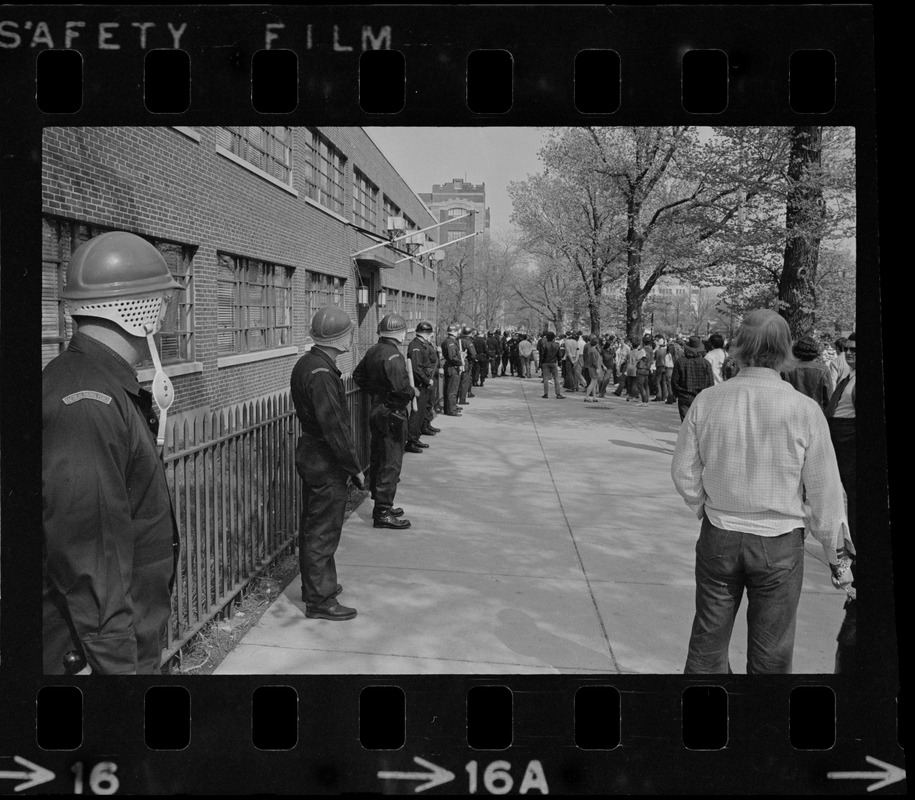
(337, 296)
(382, 298)
(362, 296)
(396, 225)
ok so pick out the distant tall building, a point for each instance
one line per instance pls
(453, 200)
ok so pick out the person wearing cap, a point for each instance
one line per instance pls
(494, 349)
(382, 374)
(423, 363)
(325, 459)
(465, 340)
(692, 374)
(755, 463)
(481, 362)
(451, 358)
(110, 536)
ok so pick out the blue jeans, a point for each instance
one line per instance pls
(771, 569)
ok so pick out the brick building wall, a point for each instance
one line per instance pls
(179, 187)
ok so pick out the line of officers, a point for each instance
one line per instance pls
(403, 398)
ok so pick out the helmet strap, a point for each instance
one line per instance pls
(162, 390)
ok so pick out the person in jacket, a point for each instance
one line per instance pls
(481, 362)
(809, 376)
(494, 348)
(468, 357)
(453, 364)
(110, 540)
(424, 364)
(594, 365)
(326, 461)
(692, 374)
(549, 365)
(382, 374)
(525, 355)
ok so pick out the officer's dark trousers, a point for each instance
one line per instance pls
(418, 417)
(464, 386)
(387, 459)
(479, 372)
(494, 366)
(452, 379)
(323, 508)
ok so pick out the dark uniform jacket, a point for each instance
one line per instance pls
(481, 347)
(424, 361)
(383, 374)
(110, 537)
(320, 404)
(494, 346)
(470, 351)
(451, 354)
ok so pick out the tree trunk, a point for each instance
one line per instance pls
(804, 219)
(634, 295)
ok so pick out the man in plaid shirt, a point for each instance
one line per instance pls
(754, 461)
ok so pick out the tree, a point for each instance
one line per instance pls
(568, 213)
(550, 290)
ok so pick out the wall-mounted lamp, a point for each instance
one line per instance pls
(438, 255)
(338, 295)
(362, 296)
(382, 298)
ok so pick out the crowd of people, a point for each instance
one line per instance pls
(765, 454)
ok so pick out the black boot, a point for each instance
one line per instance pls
(386, 519)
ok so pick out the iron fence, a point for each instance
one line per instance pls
(237, 500)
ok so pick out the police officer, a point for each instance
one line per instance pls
(468, 356)
(481, 363)
(451, 356)
(494, 348)
(423, 364)
(382, 374)
(325, 459)
(424, 331)
(110, 537)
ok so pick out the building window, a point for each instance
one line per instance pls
(323, 290)
(268, 149)
(455, 234)
(365, 202)
(324, 170)
(457, 212)
(408, 304)
(60, 238)
(254, 305)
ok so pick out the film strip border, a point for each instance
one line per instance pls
(386, 65)
(474, 736)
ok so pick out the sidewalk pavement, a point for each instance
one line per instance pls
(547, 537)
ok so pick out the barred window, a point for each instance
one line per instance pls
(323, 290)
(254, 305)
(457, 212)
(391, 209)
(324, 170)
(455, 234)
(394, 305)
(408, 304)
(365, 202)
(269, 149)
(60, 237)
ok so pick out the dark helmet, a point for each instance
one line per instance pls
(454, 328)
(392, 323)
(121, 277)
(331, 327)
(424, 327)
(466, 330)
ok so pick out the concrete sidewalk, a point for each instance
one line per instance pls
(547, 537)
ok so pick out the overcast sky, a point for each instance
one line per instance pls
(494, 156)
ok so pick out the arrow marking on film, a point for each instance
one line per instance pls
(36, 775)
(435, 777)
(888, 774)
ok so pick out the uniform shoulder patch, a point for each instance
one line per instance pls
(319, 369)
(70, 399)
(396, 355)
